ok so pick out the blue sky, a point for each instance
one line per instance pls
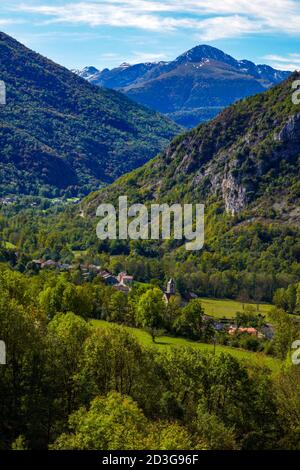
(104, 33)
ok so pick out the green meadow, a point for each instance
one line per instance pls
(165, 342)
(228, 308)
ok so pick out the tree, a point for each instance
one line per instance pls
(213, 432)
(112, 423)
(67, 334)
(291, 294)
(288, 399)
(150, 311)
(115, 422)
(190, 322)
(173, 310)
(21, 329)
(118, 307)
(284, 332)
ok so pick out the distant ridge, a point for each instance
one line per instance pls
(191, 89)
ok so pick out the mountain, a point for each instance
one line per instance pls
(244, 165)
(118, 78)
(191, 89)
(61, 134)
(247, 160)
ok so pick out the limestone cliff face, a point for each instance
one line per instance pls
(290, 131)
(234, 195)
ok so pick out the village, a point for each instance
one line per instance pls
(124, 283)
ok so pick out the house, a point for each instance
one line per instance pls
(125, 279)
(250, 331)
(94, 268)
(192, 296)
(219, 326)
(64, 266)
(108, 278)
(49, 264)
(268, 331)
(38, 262)
(124, 284)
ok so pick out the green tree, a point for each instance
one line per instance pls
(285, 331)
(190, 322)
(288, 399)
(111, 423)
(150, 311)
(213, 431)
(118, 307)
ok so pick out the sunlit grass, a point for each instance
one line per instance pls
(164, 342)
(228, 308)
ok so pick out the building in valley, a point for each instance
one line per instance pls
(170, 291)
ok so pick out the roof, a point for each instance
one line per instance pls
(250, 330)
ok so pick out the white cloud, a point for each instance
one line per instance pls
(289, 62)
(223, 27)
(97, 14)
(211, 20)
(9, 21)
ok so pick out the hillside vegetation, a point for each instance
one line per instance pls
(61, 135)
(243, 165)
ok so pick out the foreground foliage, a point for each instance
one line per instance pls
(68, 385)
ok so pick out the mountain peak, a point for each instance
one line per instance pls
(91, 69)
(124, 65)
(202, 52)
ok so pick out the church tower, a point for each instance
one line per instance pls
(171, 287)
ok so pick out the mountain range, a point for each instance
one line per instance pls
(191, 89)
(243, 165)
(62, 135)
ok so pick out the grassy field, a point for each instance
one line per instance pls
(228, 308)
(164, 342)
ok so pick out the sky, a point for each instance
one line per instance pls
(105, 33)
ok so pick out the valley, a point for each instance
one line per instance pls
(131, 343)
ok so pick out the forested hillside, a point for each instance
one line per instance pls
(61, 135)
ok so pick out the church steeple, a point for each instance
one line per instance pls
(171, 287)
